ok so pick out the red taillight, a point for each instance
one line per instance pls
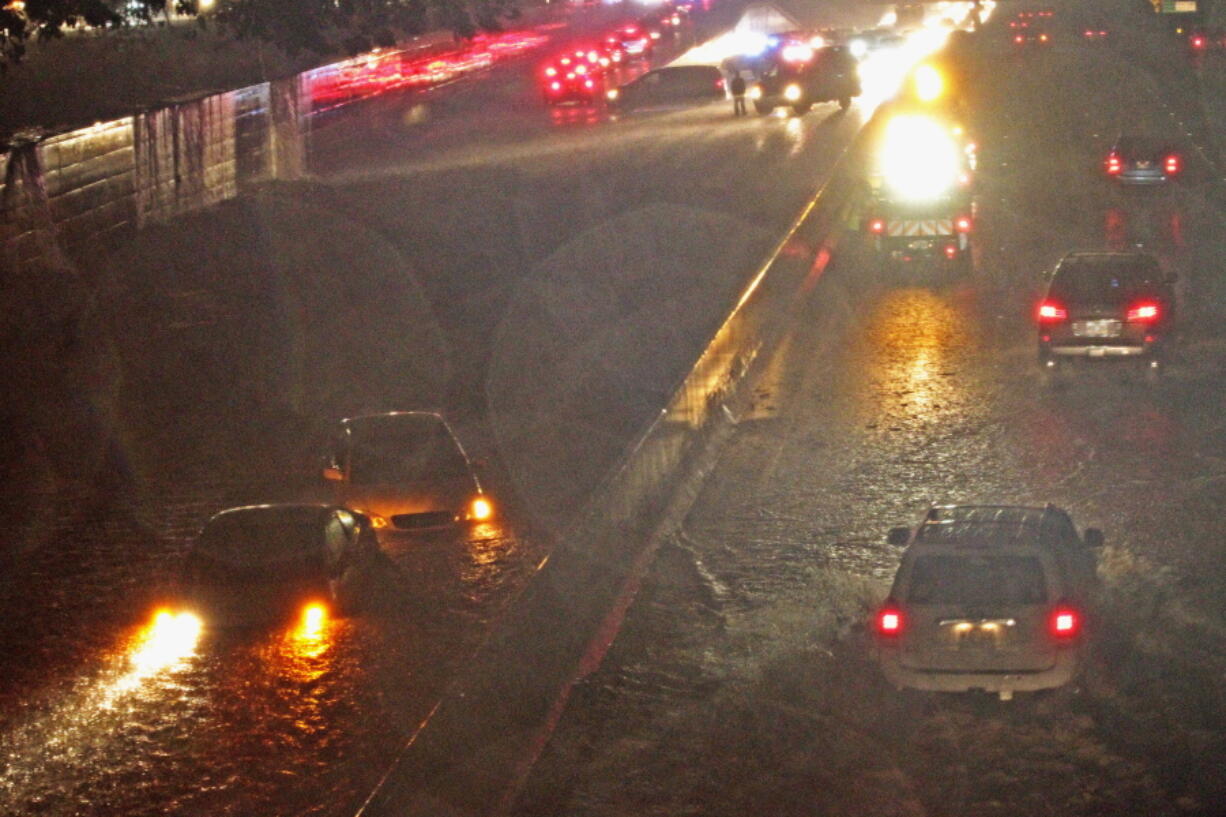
(1019, 39)
(1065, 622)
(1042, 38)
(1143, 313)
(951, 251)
(1113, 164)
(556, 86)
(1171, 165)
(963, 224)
(551, 71)
(876, 226)
(1198, 42)
(1051, 312)
(719, 84)
(889, 621)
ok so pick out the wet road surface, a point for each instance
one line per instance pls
(742, 681)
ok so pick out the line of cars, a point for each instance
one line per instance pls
(387, 475)
(1001, 599)
(585, 71)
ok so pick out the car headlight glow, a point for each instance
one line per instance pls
(929, 84)
(792, 92)
(612, 94)
(482, 508)
(755, 92)
(376, 521)
(919, 158)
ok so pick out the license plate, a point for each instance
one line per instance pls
(1097, 329)
(977, 635)
(1143, 163)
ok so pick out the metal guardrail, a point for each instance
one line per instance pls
(475, 748)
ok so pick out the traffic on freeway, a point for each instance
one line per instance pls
(953, 550)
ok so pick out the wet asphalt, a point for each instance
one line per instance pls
(743, 680)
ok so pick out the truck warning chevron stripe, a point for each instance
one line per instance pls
(920, 227)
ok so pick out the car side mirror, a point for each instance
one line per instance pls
(333, 474)
(898, 536)
(1093, 538)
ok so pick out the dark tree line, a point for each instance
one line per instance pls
(319, 26)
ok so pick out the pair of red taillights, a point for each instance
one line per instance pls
(1064, 621)
(1143, 312)
(1170, 165)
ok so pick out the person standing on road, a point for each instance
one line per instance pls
(737, 87)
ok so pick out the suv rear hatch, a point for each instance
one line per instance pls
(977, 611)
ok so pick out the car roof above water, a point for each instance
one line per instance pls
(994, 526)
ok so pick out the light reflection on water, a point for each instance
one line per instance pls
(59, 738)
(912, 334)
(297, 719)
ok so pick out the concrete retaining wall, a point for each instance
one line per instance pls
(72, 191)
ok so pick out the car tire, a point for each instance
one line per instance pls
(802, 108)
(844, 103)
(762, 107)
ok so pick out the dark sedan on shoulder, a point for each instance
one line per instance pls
(670, 87)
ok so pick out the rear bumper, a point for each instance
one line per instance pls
(1142, 177)
(1063, 671)
(1096, 351)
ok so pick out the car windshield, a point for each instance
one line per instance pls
(976, 579)
(699, 344)
(403, 450)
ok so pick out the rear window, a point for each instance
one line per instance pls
(243, 539)
(1142, 147)
(958, 579)
(1082, 280)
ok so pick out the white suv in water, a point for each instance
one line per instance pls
(989, 598)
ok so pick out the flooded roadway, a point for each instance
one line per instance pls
(101, 713)
(742, 681)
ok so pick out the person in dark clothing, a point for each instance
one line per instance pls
(737, 87)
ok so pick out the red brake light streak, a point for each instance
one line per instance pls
(1065, 622)
(1143, 313)
(1051, 312)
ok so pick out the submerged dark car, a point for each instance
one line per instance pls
(1107, 305)
(406, 471)
(259, 564)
